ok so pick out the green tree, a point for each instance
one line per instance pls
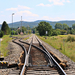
(1, 34)
(69, 31)
(65, 26)
(43, 27)
(33, 29)
(73, 31)
(13, 32)
(73, 26)
(23, 29)
(58, 26)
(5, 28)
(58, 31)
(54, 33)
(28, 28)
(63, 32)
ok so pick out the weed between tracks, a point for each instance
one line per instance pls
(60, 43)
(19, 36)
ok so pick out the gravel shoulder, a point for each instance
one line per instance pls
(14, 52)
(13, 57)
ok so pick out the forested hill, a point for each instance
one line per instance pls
(35, 23)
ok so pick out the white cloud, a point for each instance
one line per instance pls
(26, 13)
(23, 11)
(54, 2)
(68, 1)
(12, 9)
(59, 2)
(19, 7)
(52, 19)
(23, 7)
(45, 17)
(41, 4)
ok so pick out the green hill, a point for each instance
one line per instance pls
(35, 23)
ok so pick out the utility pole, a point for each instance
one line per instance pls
(21, 24)
(12, 23)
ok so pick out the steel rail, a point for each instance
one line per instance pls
(22, 72)
(20, 45)
(30, 46)
(49, 55)
(40, 50)
(59, 67)
(46, 51)
(26, 59)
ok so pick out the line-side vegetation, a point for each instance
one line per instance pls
(6, 33)
(63, 43)
(62, 37)
(4, 45)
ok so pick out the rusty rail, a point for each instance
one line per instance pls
(49, 56)
(26, 60)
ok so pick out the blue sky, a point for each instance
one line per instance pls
(32, 10)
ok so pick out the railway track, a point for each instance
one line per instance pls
(37, 60)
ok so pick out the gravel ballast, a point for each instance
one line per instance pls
(14, 54)
(13, 57)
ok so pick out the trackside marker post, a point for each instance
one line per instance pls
(46, 34)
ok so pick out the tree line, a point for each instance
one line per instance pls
(60, 29)
(5, 30)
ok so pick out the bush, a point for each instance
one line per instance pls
(54, 33)
(63, 32)
(13, 32)
(16, 33)
(71, 39)
(1, 34)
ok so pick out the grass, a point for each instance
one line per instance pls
(59, 42)
(19, 36)
(4, 45)
(26, 38)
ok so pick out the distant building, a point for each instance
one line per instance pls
(21, 33)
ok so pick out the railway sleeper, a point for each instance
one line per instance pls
(63, 63)
(41, 70)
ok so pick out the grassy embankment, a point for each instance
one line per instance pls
(4, 43)
(59, 43)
